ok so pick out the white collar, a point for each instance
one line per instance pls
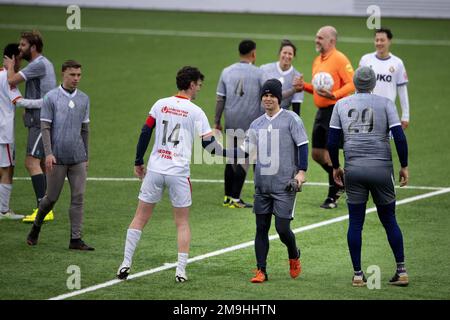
(283, 73)
(274, 116)
(70, 95)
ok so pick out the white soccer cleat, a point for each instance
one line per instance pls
(123, 272)
(180, 276)
(10, 215)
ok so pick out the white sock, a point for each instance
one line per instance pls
(182, 261)
(5, 195)
(133, 236)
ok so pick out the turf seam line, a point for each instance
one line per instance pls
(206, 34)
(320, 184)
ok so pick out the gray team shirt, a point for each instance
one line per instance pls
(66, 113)
(276, 141)
(241, 85)
(40, 79)
(365, 120)
(273, 71)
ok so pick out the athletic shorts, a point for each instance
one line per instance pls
(379, 181)
(7, 155)
(280, 204)
(180, 189)
(35, 147)
(320, 128)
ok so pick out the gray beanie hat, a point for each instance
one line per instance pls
(364, 79)
(272, 86)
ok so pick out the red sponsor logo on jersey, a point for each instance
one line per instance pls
(165, 154)
(174, 111)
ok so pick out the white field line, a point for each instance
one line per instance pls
(167, 266)
(217, 35)
(317, 184)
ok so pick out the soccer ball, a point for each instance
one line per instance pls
(323, 80)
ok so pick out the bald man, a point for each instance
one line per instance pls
(339, 67)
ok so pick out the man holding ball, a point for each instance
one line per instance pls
(337, 65)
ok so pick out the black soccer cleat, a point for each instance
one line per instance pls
(123, 272)
(329, 203)
(78, 244)
(32, 238)
(399, 279)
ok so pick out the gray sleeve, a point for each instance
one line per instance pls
(250, 144)
(221, 87)
(392, 114)
(298, 130)
(85, 136)
(33, 70)
(335, 121)
(46, 128)
(220, 105)
(47, 109)
(86, 115)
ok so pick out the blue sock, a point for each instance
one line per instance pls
(357, 213)
(386, 213)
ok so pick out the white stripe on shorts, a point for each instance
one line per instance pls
(36, 143)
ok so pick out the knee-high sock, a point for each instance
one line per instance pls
(5, 196)
(229, 174)
(332, 189)
(39, 184)
(238, 181)
(262, 239)
(287, 236)
(386, 213)
(133, 237)
(357, 214)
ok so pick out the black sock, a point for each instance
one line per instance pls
(238, 181)
(229, 173)
(39, 183)
(401, 267)
(332, 189)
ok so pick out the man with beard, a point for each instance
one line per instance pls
(39, 77)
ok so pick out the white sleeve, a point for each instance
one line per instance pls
(404, 101)
(402, 76)
(202, 124)
(29, 103)
(362, 62)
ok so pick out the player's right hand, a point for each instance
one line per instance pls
(140, 171)
(50, 160)
(218, 126)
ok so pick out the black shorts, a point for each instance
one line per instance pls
(280, 204)
(321, 125)
(35, 147)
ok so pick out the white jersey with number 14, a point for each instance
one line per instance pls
(177, 122)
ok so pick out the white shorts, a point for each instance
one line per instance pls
(180, 189)
(7, 155)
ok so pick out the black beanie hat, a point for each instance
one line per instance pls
(272, 86)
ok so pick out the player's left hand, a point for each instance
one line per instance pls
(326, 93)
(293, 186)
(404, 176)
(338, 176)
(405, 124)
(140, 171)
